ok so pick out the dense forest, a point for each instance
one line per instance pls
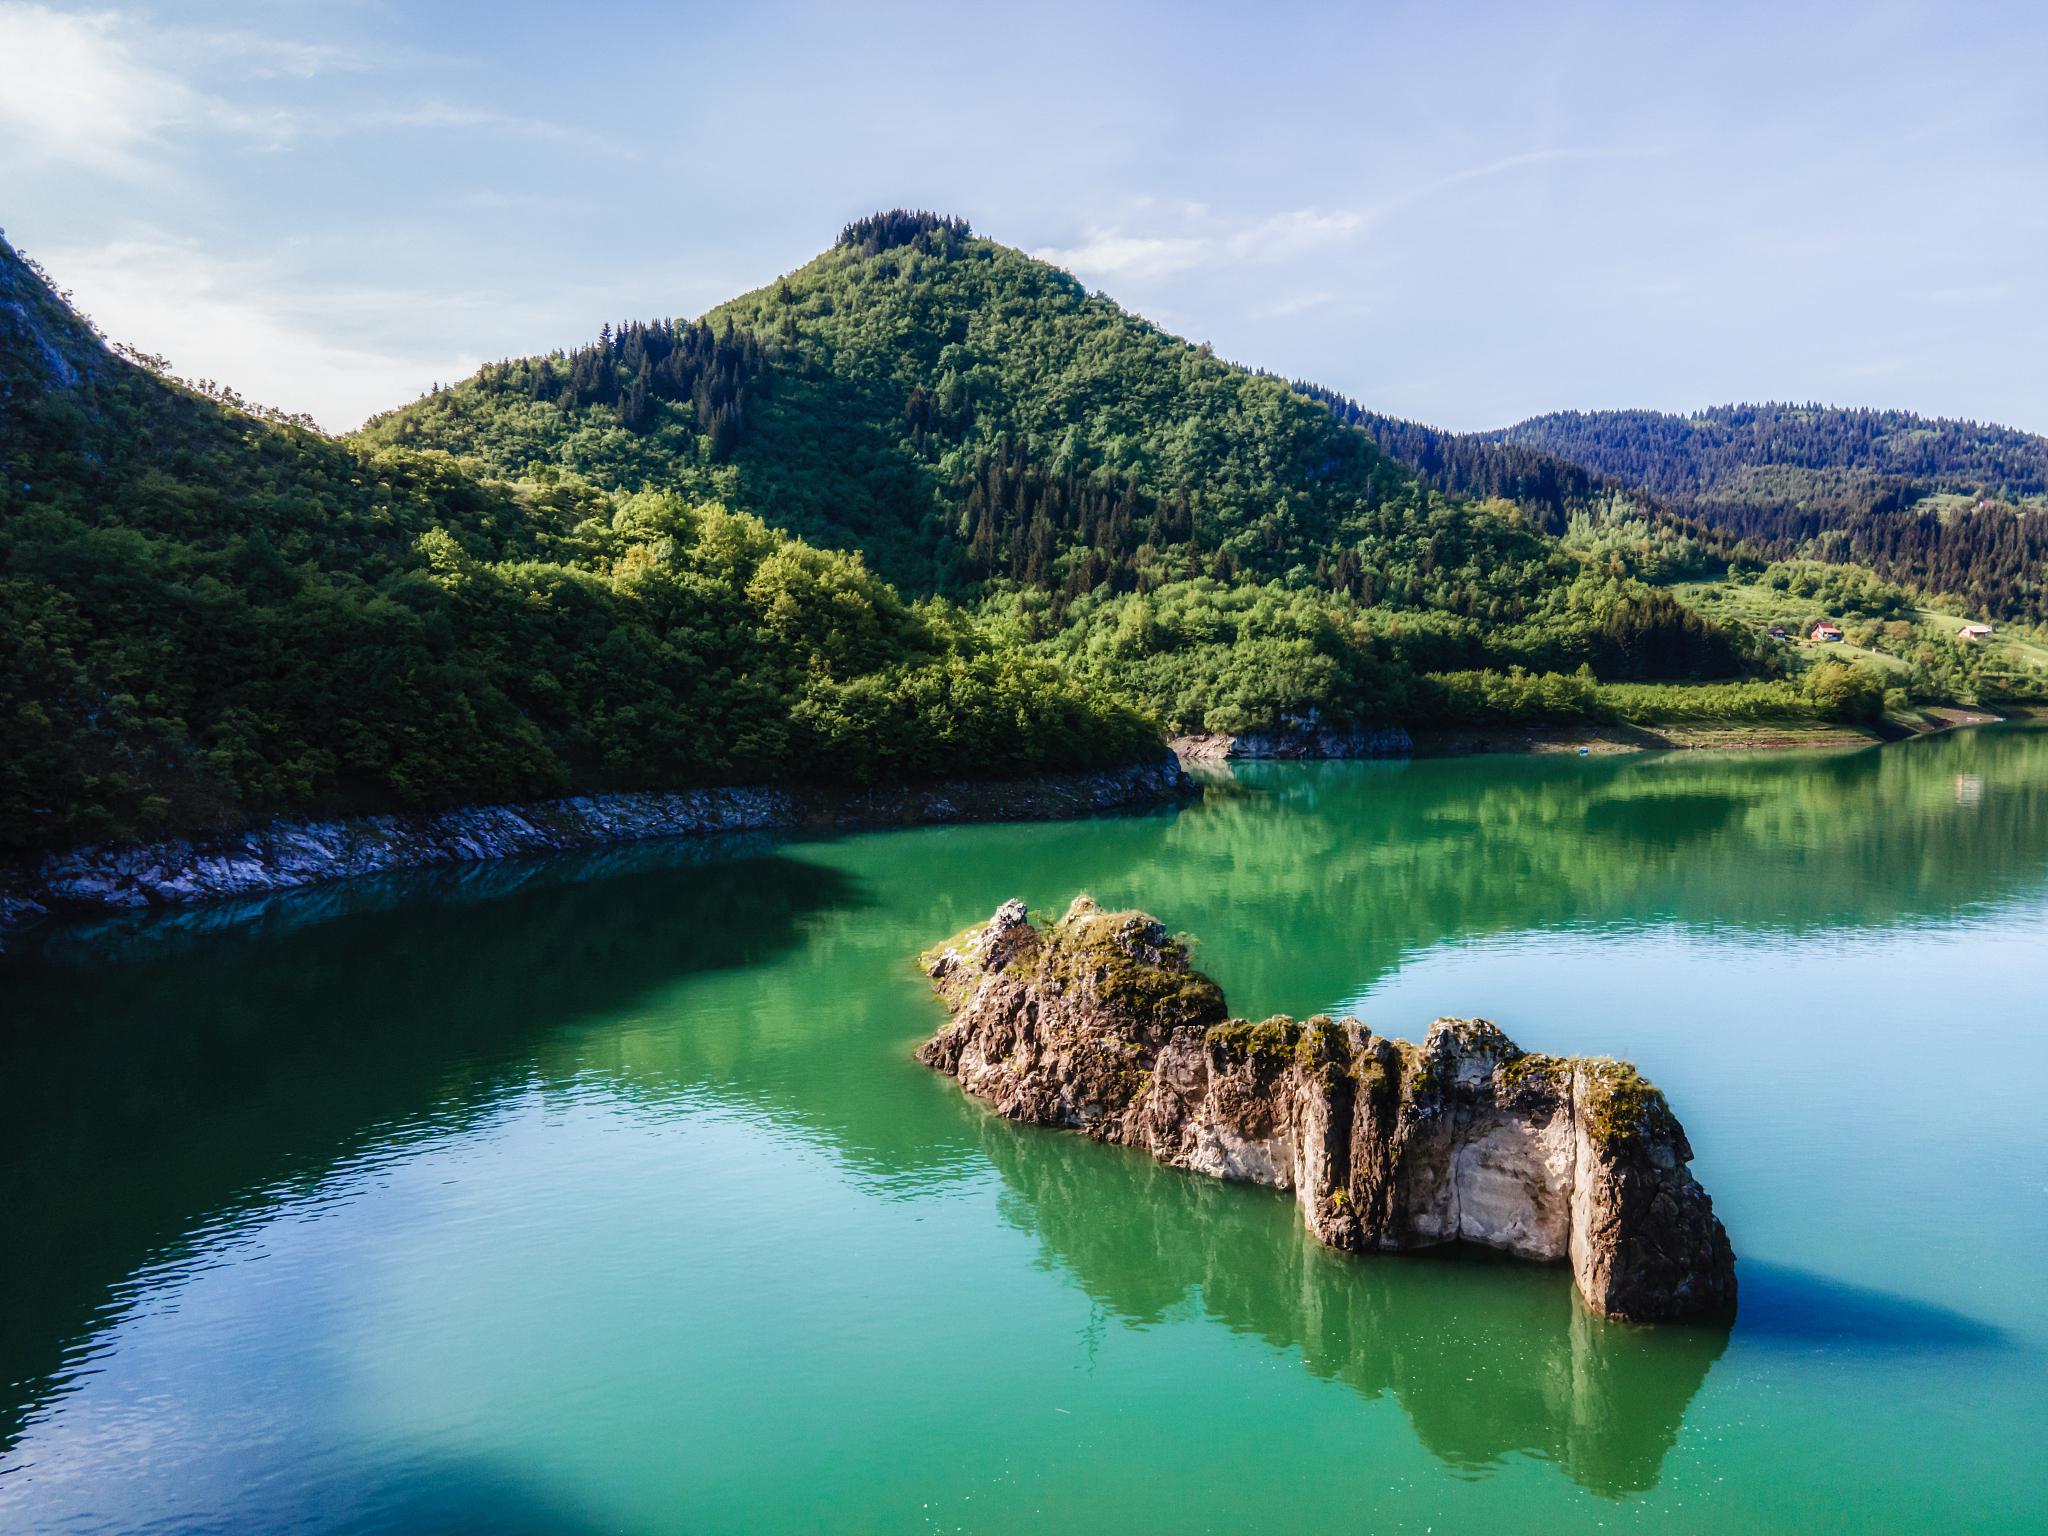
(210, 618)
(1472, 464)
(1218, 548)
(1952, 507)
(924, 506)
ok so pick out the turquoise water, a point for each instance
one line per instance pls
(604, 1195)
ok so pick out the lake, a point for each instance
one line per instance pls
(603, 1194)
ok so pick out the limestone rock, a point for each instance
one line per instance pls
(1100, 1024)
(294, 854)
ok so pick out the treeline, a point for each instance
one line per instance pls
(1068, 532)
(932, 233)
(1202, 654)
(1993, 559)
(1687, 457)
(716, 372)
(206, 620)
(1844, 485)
(1467, 464)
(1835, 692)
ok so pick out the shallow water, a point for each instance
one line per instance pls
(603, 1194)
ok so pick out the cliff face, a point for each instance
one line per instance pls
(1100, 1024)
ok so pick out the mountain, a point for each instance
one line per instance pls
(208, 617)
(1552, 489)
(1947, 506)
(923, 506)
(1216, 546)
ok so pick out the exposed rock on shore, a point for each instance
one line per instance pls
(1100, 1024)
(1303, 742)
(286, 855)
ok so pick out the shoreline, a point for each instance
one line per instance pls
(1594, 739)
(291, 854)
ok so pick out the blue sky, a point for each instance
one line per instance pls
(1460, 213)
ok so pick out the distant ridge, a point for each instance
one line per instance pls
(1943, 504)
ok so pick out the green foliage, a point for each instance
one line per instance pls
(1132, 966)
(1832, 691)
(1841, 692)
(1840, 591)
(1621, 1106)
(1220, 551)
(1942, 505)
(210, 619)
(1270, 1042)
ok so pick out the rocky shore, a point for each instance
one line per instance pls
(1098, 1023)
(291, 854)
(1307, 742)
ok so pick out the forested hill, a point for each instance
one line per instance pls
(207, 618)
(1713, 451)
(584, 570)
(1945, 505)
(1550, 487)
(961, 413)
(1215, 545)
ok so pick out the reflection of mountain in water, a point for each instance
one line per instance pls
(142, 1103)
(1404, 856)
(1487, 1360)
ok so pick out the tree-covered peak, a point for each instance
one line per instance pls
(935, 234)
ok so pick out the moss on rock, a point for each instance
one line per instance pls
(1133, 965)
(1619, 1104)
(1269, 1042)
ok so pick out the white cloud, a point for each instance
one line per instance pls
(73, 92)
(111, 94)
(1211, 242)
(1107, 254)
(1295, 304)
(258, 56)
(1138, 249)
(241, 322)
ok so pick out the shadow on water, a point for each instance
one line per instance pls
(453, 1498)
(1487, 1359)
(446, 1495)
(177, 1090)
(1796, 1309)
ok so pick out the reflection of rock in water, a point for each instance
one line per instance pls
(1486, 1359)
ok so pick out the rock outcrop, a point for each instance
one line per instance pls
(1303, 741)
(1100, 1024)
(292, 854)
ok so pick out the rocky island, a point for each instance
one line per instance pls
(1099, 1023)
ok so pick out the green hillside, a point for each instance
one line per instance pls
(666, 558)
(1951, 507)
(1207, 540)
(207, 618)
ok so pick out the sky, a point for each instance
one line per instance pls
(1461, 213)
